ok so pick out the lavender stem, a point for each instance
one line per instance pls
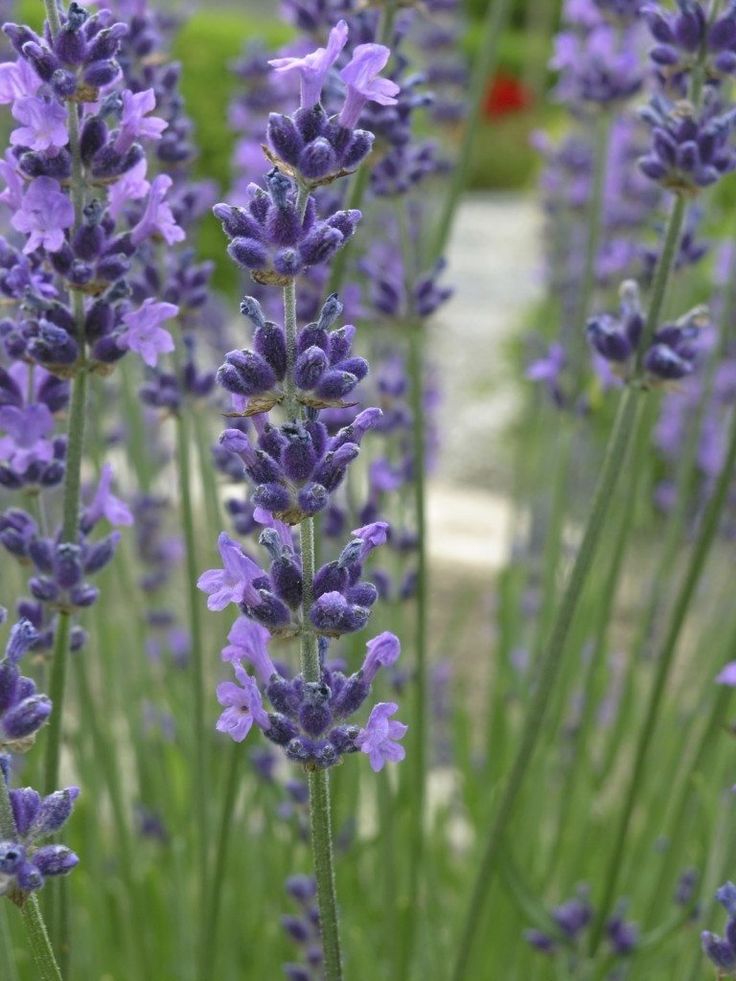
(627, 421)
(183, 458)
(664, 663)
(319, 787)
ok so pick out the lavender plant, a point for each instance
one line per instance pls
(297, 464)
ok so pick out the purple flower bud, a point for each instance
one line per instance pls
(284, 138)
(317, 159)
(315, 715)
(270, 343)
(310, 366)
(320, 245)
(718, 951)
(302, 888)
(287, 580)
(249, 253)
(333, 616)
(26, 804)
(22, 637)
(54, 860)
(313, 497)
(26, 717)
(296, 928)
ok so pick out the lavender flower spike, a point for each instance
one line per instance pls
(314, 67)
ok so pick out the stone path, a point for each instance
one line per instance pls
(494, 261)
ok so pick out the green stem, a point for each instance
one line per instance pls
(209, 947)
(38, 938)
(57, 688)
(663, 274)
(626, 423)
(184, 464)
(664, 663)
(311, 668)
(497, 15)
(321, 828)
(419, 755)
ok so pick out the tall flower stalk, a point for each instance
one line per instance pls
(303, 372)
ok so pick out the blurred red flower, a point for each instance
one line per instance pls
(505, 95)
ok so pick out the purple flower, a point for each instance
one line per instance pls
(143, 333)
(378, 738)
(104, 504)
(27, 430)
(132, 186)
(249, 642)
(44, 214)
(158, 220)
(361, 75)
(381, 652)
(133, 123)
(314, 67)
(372, 536)
(12, 196)
(548, 368)
(44, 124)
(728, 675)
(243, 706)
(234, 582)
(17, 80)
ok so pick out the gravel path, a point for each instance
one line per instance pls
(494, 261)
(493, 265)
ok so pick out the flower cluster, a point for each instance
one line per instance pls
(325, 371)
(597, 59)
(341, 601)
(31, 455)
(297, 465)
(303, 929)
(673, 349)
(309, 719)
(273, 240)
(25, 861)
(318, 148)
(691, 148)
(573, 917)
(22, 709)
(685, 40)
(721, 951)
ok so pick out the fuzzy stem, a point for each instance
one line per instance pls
(664, 663)
(497, 15)
(627, 420)
(311, 668)
(38, 938)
